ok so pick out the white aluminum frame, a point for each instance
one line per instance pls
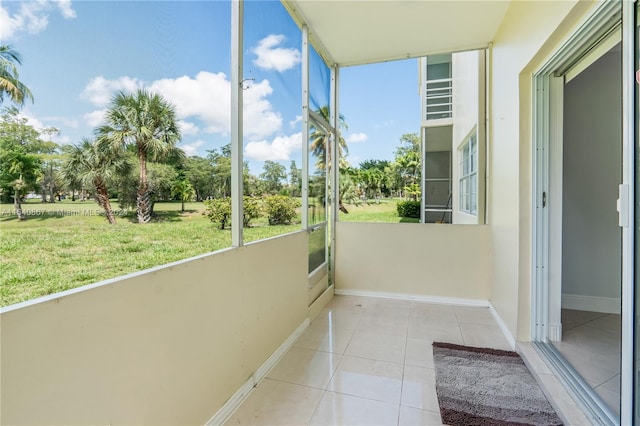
(335, 169)
(305, 127)
(600, 22)
(629, 89)
(237, 71)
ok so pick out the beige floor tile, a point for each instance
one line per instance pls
(484, 336)
(366, 378)
(609, 391)
(341, 409)
(435, 330)
(593, 352)
(397, 308)
(320, 337)
(474, 315)
(432, 312)
(419, 353)
(381, 356)
(306, 367)
(378, 346)
(386, 323)
(572, 318)
(350, 302)
(410, 416)
(277, 403)
(419, 388)
(338, 317)
(610, 322)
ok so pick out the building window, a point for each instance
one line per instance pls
(469, 176)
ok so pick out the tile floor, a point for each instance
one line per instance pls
(366, 361)
(591, 343)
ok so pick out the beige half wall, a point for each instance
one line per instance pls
(410, 259)
(166, 346)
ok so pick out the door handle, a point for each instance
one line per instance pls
(622, 205)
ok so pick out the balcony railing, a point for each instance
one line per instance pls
(439, 102)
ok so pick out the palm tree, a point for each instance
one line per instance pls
(320, 147)
(148, 122)
(10, 85)
(320, 144)
(183, 189)
(96, 166)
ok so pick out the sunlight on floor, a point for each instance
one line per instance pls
(366, 361)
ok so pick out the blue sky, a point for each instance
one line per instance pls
(76, 54)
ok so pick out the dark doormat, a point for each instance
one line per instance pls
(481, 386)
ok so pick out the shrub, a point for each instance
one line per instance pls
(218, 210)
(250, 210)
(280, 209)
(409, 209)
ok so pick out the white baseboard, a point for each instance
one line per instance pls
(417, 297)
(223, 414)
(505, 330)
(437, 299)
(605, 305)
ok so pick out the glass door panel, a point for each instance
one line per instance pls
(317, 208)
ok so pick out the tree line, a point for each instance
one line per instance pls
(133, 157)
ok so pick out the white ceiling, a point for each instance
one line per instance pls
(353, 32)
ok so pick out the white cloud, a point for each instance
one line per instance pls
(293, 123)
(260, 121)
(205, 97)
(95, 118)
(66, 121)
(279, 149)
(31, 17)
(192, 148)
(357, 137)
(40, 125)
(272, 57)
(66, 9)
(188, 128)
(100, 90)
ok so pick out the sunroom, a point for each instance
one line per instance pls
(190, 342)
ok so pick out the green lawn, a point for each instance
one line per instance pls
(385, 211)
(69, 244)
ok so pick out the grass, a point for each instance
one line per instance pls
(67, 245)
(70, 244)
(385, 212)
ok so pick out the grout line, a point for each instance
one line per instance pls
(315, 410)
(404, 370)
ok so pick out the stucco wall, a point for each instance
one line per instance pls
(530, 32)
(414, 259)
(168, 346)
(466, 100)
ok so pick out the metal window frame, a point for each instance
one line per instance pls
(237, 135)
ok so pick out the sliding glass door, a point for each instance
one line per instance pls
(632, 48)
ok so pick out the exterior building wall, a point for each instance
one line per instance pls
(466, 103)
(167, 346)
(530, 32)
